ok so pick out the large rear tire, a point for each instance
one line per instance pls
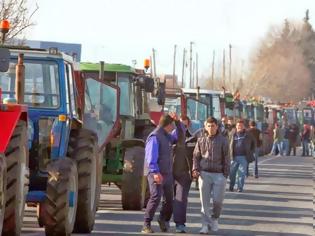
(17, 180)
(3, 189)
(83, 148)
(133, 181)
(61, 197)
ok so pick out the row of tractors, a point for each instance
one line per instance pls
(66, 128)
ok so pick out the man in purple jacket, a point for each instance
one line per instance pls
(159, 163)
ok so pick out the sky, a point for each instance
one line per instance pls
(120, 31)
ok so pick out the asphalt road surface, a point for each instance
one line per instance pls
(280, 202)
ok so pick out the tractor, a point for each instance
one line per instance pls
(53, 143)
(124, 153)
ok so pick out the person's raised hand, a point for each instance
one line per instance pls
(173, 115)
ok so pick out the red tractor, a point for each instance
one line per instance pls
(13, 153)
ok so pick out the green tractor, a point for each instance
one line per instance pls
(124, 153)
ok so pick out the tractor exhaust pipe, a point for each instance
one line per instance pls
(19, 81)
(101, 72)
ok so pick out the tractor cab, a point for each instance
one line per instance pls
(124, 155)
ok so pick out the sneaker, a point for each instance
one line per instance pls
(214, 225)
(181, 229)
(147, 230)
(164, 225)
(240, 190)
(231, 189)
(204, 229)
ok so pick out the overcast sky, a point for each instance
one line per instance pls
(119, 31)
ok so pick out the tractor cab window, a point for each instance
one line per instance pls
(172, 105)
(41, 83)
(126, 95)
(216, 106)
(197, 112)
(307, 116)
(100, 111)
(259, 113)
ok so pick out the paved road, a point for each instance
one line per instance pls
(280, 202)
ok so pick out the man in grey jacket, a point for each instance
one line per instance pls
(211, 164)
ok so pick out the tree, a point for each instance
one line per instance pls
(281, 66)
(19, 16)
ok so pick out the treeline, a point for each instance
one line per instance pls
(283, 67)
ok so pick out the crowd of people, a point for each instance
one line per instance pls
(287, 138)
(222, 150)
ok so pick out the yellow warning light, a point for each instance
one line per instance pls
(62, 118)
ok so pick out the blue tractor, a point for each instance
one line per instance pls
(67, 126)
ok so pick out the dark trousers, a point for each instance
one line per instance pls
(156, 192)
(181, 189)
(292, 145)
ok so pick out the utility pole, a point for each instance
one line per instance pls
(212, 73)
(190, 66)
(151, 71)
(193, 75)
(197, 82)
(174, 62)
(230, 64)
(183, 69)
(154, 62)
(223, 72)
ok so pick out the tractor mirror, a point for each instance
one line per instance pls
(148, 85)
(4, 59)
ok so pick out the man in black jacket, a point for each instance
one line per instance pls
(182, 176)
(242, 147)
(211, 164)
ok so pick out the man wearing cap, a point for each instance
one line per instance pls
(159, 163)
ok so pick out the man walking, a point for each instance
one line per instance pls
(305, 138)
(256, 133)
(277, 140)
(242, 146)
(182, 166)
(293, 136)
(211, 164)
(160, 177)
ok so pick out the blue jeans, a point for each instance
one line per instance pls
(239, 164)
(305, 144)
(276, 144)
(285, 147)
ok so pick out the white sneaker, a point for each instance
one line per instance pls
(204, 229)
(214, 225)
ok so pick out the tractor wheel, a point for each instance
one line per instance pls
(3, 189)
(17, 180)
(60, 205)
(133, 181)
(83, 148)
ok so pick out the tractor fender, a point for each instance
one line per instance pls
(128, 143)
